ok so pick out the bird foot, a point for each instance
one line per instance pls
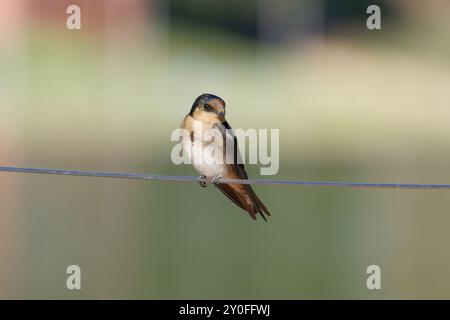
(202, 181)
(215, 180)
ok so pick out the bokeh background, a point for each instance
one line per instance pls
(351, 105)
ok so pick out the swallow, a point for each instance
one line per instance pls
(209, 111)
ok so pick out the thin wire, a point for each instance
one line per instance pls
(235, 181)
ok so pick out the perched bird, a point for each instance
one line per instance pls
(209, 111)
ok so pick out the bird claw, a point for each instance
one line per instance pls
(215, 180)
(202, 181)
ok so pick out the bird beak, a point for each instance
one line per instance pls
(221, 112)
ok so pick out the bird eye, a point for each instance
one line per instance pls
(207, 107)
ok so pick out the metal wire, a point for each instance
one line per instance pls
(303, 183)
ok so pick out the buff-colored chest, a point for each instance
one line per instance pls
(201, 148)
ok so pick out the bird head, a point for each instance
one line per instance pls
(208, 107)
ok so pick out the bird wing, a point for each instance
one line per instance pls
(241, 194)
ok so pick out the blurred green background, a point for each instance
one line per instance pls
(351, 105)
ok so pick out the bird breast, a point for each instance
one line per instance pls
(202, 159)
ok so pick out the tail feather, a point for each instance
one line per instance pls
(236, 197)
(245, 198)
(258, 206)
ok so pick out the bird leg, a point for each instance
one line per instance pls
(202, 181)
